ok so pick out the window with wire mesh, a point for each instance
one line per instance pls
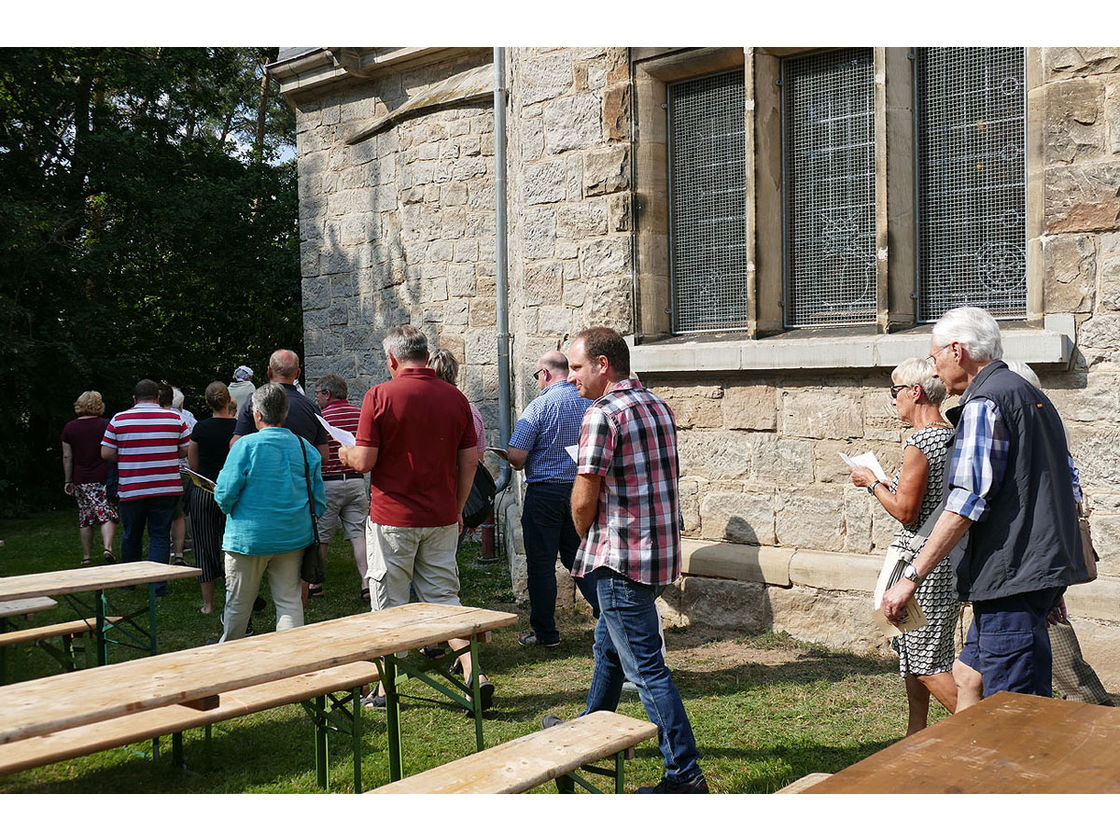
(707, 212)
(828, 148)
(971, 180)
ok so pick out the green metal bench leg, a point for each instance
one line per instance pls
(565, 784)
(321, 742)
(476, 695)
(152, 618)
(177, 749)
(392, 716)
(619, 778)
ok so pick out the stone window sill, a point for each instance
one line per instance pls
(1052, 344)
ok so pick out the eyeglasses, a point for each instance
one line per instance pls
(538, 373)
(896, 390)
(933, 356)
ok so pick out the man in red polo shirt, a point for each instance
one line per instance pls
(416, 439)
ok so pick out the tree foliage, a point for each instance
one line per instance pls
(148, 228)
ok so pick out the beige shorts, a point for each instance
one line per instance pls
(348, 503)
(423, 558)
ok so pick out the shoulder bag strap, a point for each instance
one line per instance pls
(310, 498)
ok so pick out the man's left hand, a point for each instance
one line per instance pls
(895, 598)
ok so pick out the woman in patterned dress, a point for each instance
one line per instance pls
(925, 655)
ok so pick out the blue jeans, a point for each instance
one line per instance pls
(546, 523)
(628, 647)
(156, 512)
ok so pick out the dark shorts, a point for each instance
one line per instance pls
(1009, 645)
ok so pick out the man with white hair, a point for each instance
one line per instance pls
(1009, 488)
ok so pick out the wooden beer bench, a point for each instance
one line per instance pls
(64, 631)
(539, 757)
(315, 691)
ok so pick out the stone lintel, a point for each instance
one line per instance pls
(835, 571)
(734, 561)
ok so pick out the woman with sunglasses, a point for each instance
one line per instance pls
(925, 655)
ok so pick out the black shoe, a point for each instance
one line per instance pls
(315, 590)
(697, 784)
(364, 595)
(549, 721)
(530, 640)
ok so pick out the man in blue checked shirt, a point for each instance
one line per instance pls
(1011, 488)
(549, 425)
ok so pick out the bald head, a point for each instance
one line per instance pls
(283, 366)
(551, 368)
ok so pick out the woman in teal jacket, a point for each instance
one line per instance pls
(263, 491)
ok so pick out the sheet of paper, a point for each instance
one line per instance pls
(573, 450)
(341, 435)
(866, 459)
(200, 481)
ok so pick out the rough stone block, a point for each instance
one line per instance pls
(606, 170)
(460, 280)
(716, 603)
(714, 454)
(605, 257)
(1099, 331)
(837, 619)
(738, 517)
(1074, 126)
(575, 294)
(544, 183)
(1087, 397)
(821, 413)
(750, 407)
(810, 518)
(620, 212)
(835, 571)
(579, 221)
(572, 122)
(554, 320)
(616, 111)
(542, 282)
(779, 462)
(546, 77)
(1082, 199)
(857, 520)
(483, 312)
(1066, 62)
(1099, 600)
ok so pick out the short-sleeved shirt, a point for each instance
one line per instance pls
(84, 436)
(341, 415)
(301, 419)
(147, 439)
(212, 436)
(629, 438)
(548, 425)
(418, 423)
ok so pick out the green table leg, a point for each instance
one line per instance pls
(392, 716)
(102, 642)
(152, 619)
(356, 735)
(476, 695)
(619, 764)
(321, 742)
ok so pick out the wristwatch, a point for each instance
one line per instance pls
(871, 487)
(910, 573)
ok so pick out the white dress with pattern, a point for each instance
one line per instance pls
(929, 649)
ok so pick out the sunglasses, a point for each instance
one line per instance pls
(538, 373)
(896, 390)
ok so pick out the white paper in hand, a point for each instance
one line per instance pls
(866, 459)
(341, 435)
(573, 450)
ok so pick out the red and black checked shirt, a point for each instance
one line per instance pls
(629, 437)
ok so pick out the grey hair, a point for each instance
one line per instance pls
(406, 344)
(972, 328)
(1024, 370)
(271, 401)
(921, 371)
(176, 397)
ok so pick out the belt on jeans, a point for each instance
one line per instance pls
(337, 476)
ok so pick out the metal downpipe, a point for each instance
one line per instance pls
(505, 429)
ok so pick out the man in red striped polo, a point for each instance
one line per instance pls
(347, 491)
(147, 442)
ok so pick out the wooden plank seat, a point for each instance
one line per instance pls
(29, 635)
(311, 689)
(804, 783)
(533, 759)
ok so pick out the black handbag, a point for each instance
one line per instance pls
(480, 502)
(311, 565)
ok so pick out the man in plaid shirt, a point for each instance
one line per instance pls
(1011, 487)
(625, 508)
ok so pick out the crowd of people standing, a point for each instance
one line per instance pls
(599, 454)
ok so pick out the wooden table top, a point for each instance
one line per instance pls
(1007, 743)
(26, 606)
(59, 702)
(89, 578)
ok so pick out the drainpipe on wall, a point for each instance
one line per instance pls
(502, 304)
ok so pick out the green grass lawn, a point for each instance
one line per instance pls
(765, 709)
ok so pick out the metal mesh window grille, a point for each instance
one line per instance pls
(707, 214)
(971, 184)
(828, 143)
